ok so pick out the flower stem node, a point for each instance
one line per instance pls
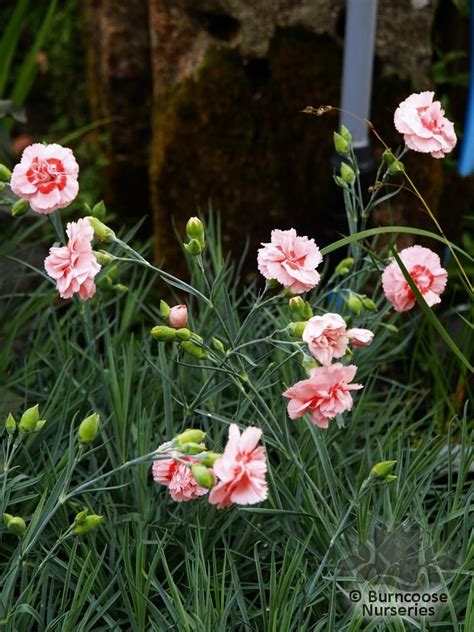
(347, 173)
(354, 304)
(15, 524)
(190, 435)
(5, 173)
(89, 428)
(195, 230)
(296, 329)
(10, 424)
(101, 231)
(88, 524)
(382, 469)
(21, 207)
(344, 267)
(163, 333)
(203, 476)
(193, 349)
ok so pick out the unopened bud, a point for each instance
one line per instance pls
(193, 349)
(5, 174)
(193, 248)
(39, 425)
(343, 268)
(101, 231)
(190, 435)
(103, 257)
(81, 516)
(195, 230)
(391, 328)
(89, 429)
(192, 448)
(99, 211)
(296, 329)
(209, 458)
(88, 524)
(203, 476)
(347, 173)
(105, 282)
(165, 309)
(369, 304)
(382, 469)
(308, 363)
(271, 284)
(217, 344)
(10, 424)
(396, 167)
(163, 333)
(15, 524)
(354, 304)
(120, 287)
(183, 334)
(345, 133)
(388, 157)
(20, 208)
(29, 419)
(340, 144)
(299, 309)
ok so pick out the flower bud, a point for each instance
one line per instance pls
(296, 329)
(299, 309)
(39, 425)
(190, 435)
(388, 157)
(29, 420)
(165, 309)
(396, 167)
(89, 429)
(202, 475)
(382, 469)
(88, 524)
(178, 316)
(163, 333)
(389, 478)
(343, 268)
(271, 284)
(194, 350)
(20, 207)
(5, 174)
(193, 248)
(15, 524)
(347, 173)
(209, 458)
(183, 334)
(308, 363)
(195, 230)
(10, 424)
(105, 282)
(2, 186)
(346, 135)
(369, 304)
(217, 344)
(391, 328)
(120, 287)
(101, 231)
(354, 304)
(99, 211)
(81, 516)
(340, 144)
(103, 257)
(340, 182)
(192, 448)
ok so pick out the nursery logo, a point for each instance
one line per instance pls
(397, 572)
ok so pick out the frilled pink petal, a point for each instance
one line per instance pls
(249, 439)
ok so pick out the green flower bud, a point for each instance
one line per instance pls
(89, 429)
(190, 435)
(388, 157)
(340, 144)
(192, 448)
(15, 524)
(120, 287)
(195, 230)
(347, 173)
(5, 174)
(391, 328)
(29, 420)
(193, 248)
(113, 271)
(163, 333)
(101, 231)
(165, 309)
(299, 309)
(308, 363)
(343, 268)
(382, 469)
(369, 304)
(81, 516)
(10, 424)
(271, 284)
(194, 350)
(88, 524)
(396, 167)
(103, 257)
(2, 186)
(202, 475)
(217, 344)
(354, 304)
(389, 478)
(20, 207)
(296, 329)
(340, 182)
(99, 211)
(39, 425)
(209, 458)
(105, 282)
(346, 135)
(183, 334)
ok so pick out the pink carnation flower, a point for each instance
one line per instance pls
(178, 478)
(325, 394)
(424, 125)
(178, 316)
(326, 337)
(46, 176)
(424, 267)
(74, 266)
(360, 337)
(241, 470)
(291, 260)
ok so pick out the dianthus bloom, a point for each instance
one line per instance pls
(424, 267)
(326, 337)
(241, 470)
(291, 260)
(424, 125)
(178, 316)
(360, 337)
(46, 176)
(325, 394)
(178, 478)
(74, 266)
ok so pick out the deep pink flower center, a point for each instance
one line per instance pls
(422, 278)
(429, 118)
(47, 174)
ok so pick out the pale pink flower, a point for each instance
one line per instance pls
(326, 337)
(424, 267)
(325, 394)
(46, 176)
(178, 478)
(241, 470)
(74, 266)
(424, 125)
(360, 337)
(178, 316)
(290, 260)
